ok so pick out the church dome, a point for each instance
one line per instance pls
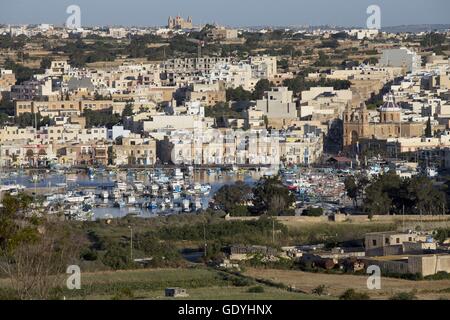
(390, 105)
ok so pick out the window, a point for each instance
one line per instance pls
(387, 241)
(374, 242)
(397, 240)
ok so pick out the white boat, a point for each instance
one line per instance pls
(138, 186)
(115, 194)
(74, 199)
(153, 205)
(122, 186)
(186, 205)
(79, 213)
(205, 189)
(35, 178)
(131, 200)
(104, 194)
(431, 172)
(119, 204)
(197, 204)
(176, 186)
(155, 188)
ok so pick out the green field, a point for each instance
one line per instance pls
(200, 283)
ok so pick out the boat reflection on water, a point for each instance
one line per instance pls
(100, 194)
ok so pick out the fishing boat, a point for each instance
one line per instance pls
(131, 199)
(176, 186)
(35, 178)
(115, 193)
(79, 213)
(120, 204)
(197, 204)
(152, 205)
(122, 186)
(205, 189)
(104, 194)
(91, 173)
(154, 189)
(186, 205)
(138, 186)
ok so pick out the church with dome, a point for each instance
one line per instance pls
(361, 124)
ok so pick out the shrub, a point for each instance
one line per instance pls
(8, 294)
(441, 275)
(320, 290)
(257, 289)
(313, 212)
(240, 211)
(124, 294)
(351, 294)
(89, 255)
(116, 258)
(241, 282)
(404, 296)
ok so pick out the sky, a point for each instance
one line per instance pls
(346, 13)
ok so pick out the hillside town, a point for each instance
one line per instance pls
(238, 151)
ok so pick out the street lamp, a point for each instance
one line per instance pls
(131, 243)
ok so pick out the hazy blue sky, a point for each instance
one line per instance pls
(227, 12)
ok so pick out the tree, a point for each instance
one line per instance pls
(378, 194)
(271, 197)
(3, 119)
(238, 94)
(390, 194)
(101, 118)
(128, 110)
(232, 197)
(22, 72)
(261, 86)
(428, 129)
(46, 62)
(355, 186)
(34, 253)
(266, 121)
(117, 257)
(433, 39)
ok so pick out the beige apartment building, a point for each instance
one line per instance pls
(222, 33)
(135, 150)
(324, 103)
(207, 94)
(77, 106)
(279, 106)
(23, 153)
(7, 80)
(82, 153)
(300, 149)
(13, 133)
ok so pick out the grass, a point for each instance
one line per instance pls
(236, 293)
(200, 283)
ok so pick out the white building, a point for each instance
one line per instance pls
(402, 57)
